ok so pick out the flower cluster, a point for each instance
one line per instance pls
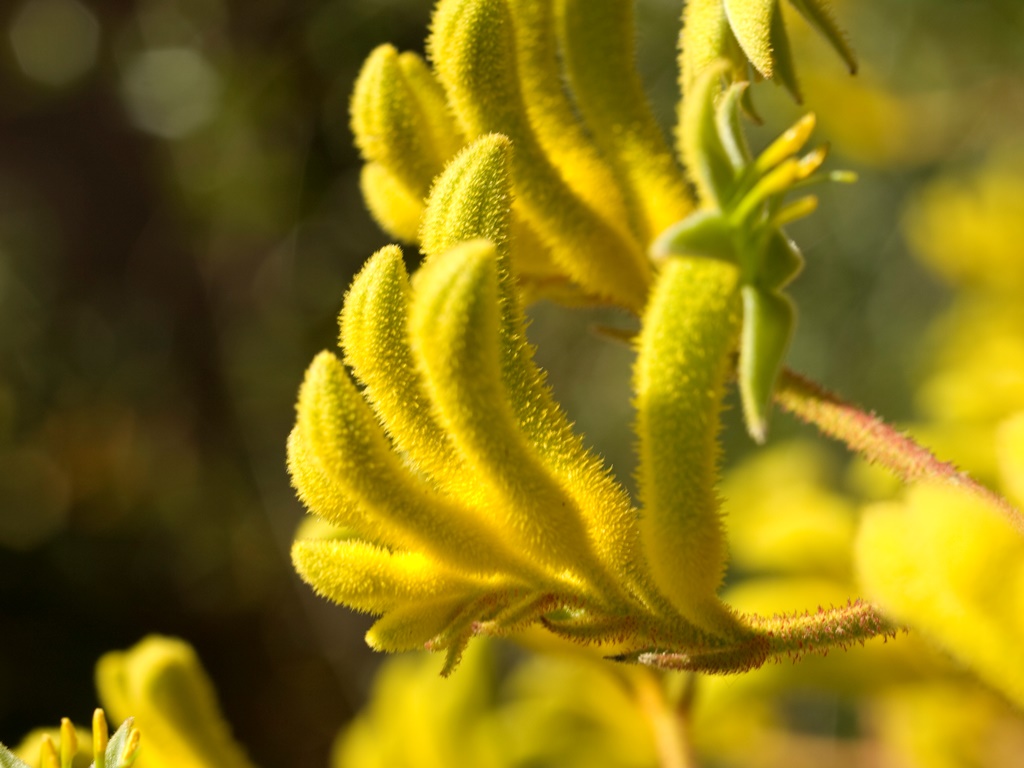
(463, 503)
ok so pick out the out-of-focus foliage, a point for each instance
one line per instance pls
(549, 710)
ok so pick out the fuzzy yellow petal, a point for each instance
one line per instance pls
(706, 37)
(410, 627)
(444, 134)
(473, 48)
(374, 336)
(324, 496)
(371, 579)
(600, 61)
(471, 200)
(389, 127)
(1010, 443)
(555, 117)
(751, 22)
(343, 436)
(689, 333)
(454, 326)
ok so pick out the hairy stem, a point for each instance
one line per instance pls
(877, 441)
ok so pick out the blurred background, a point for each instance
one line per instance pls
(179, 221)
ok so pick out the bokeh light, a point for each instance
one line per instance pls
(55, 41)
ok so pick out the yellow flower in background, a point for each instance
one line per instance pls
(161, 683)
(967, 226)
(553, 710)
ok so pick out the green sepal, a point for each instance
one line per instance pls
(782, 53)
(702, 233)
(781, 262)
(768, 320)
(819, 16)
(705, 156)
(9, 760)
(121, 752)
(727, 119)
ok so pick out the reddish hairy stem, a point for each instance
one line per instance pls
(877, 441)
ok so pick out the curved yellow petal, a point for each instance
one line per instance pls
(389, 126)
(343, 436)
(326, 497)
(474, 53)
(454, 325)
(445, 135)
(751, 22)
(600, 62)
(410, 627)
(373, 580)
(555, 118)
(374, 336)
(705, 38)
(689, 333)
(471, 200)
